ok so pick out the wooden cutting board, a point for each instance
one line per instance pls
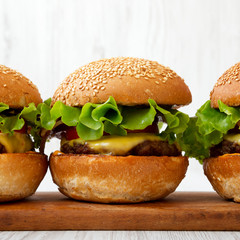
(179, 211)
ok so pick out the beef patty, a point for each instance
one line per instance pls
(146, 148)
(224, 147)
(2, 149)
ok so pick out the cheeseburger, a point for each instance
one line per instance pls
(119, 128)
(213, 137)
(21, 168)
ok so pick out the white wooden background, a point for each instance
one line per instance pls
(48, 39)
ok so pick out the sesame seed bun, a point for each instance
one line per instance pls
(20, 174)
(107, 179)
(131, 81)
(223, 172)
(227, 88)
(16, 90)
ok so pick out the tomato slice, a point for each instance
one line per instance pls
(23, 129)
(71, 133)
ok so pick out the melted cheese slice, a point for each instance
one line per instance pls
(233, 138)
(117, 145)
(16, 143)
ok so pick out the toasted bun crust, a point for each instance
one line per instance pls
(20, 174)
(224, 174)
(131, 81)
(227, 88)
(16, 90)
(103, 178)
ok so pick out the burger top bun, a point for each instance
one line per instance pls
(227, 88)
(16, 90)
(131, 81)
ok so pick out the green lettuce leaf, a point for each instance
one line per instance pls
(177, 122)
(208, 129)
(137, 118)
(15, 122)
(93, 115)
(10, 122)
(87, 133)
(70, 115)
(47, 120)
(92, 120)
(114, 129)
(3, 107)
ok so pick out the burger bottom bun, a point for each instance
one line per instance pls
(20, 174)
(106, 179)
(223, 172)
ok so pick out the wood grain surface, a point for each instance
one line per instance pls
(179, 211)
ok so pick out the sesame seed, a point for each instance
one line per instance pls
(95, 74)
(15, 76)
(231, 75)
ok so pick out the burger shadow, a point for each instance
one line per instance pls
(176, 198)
